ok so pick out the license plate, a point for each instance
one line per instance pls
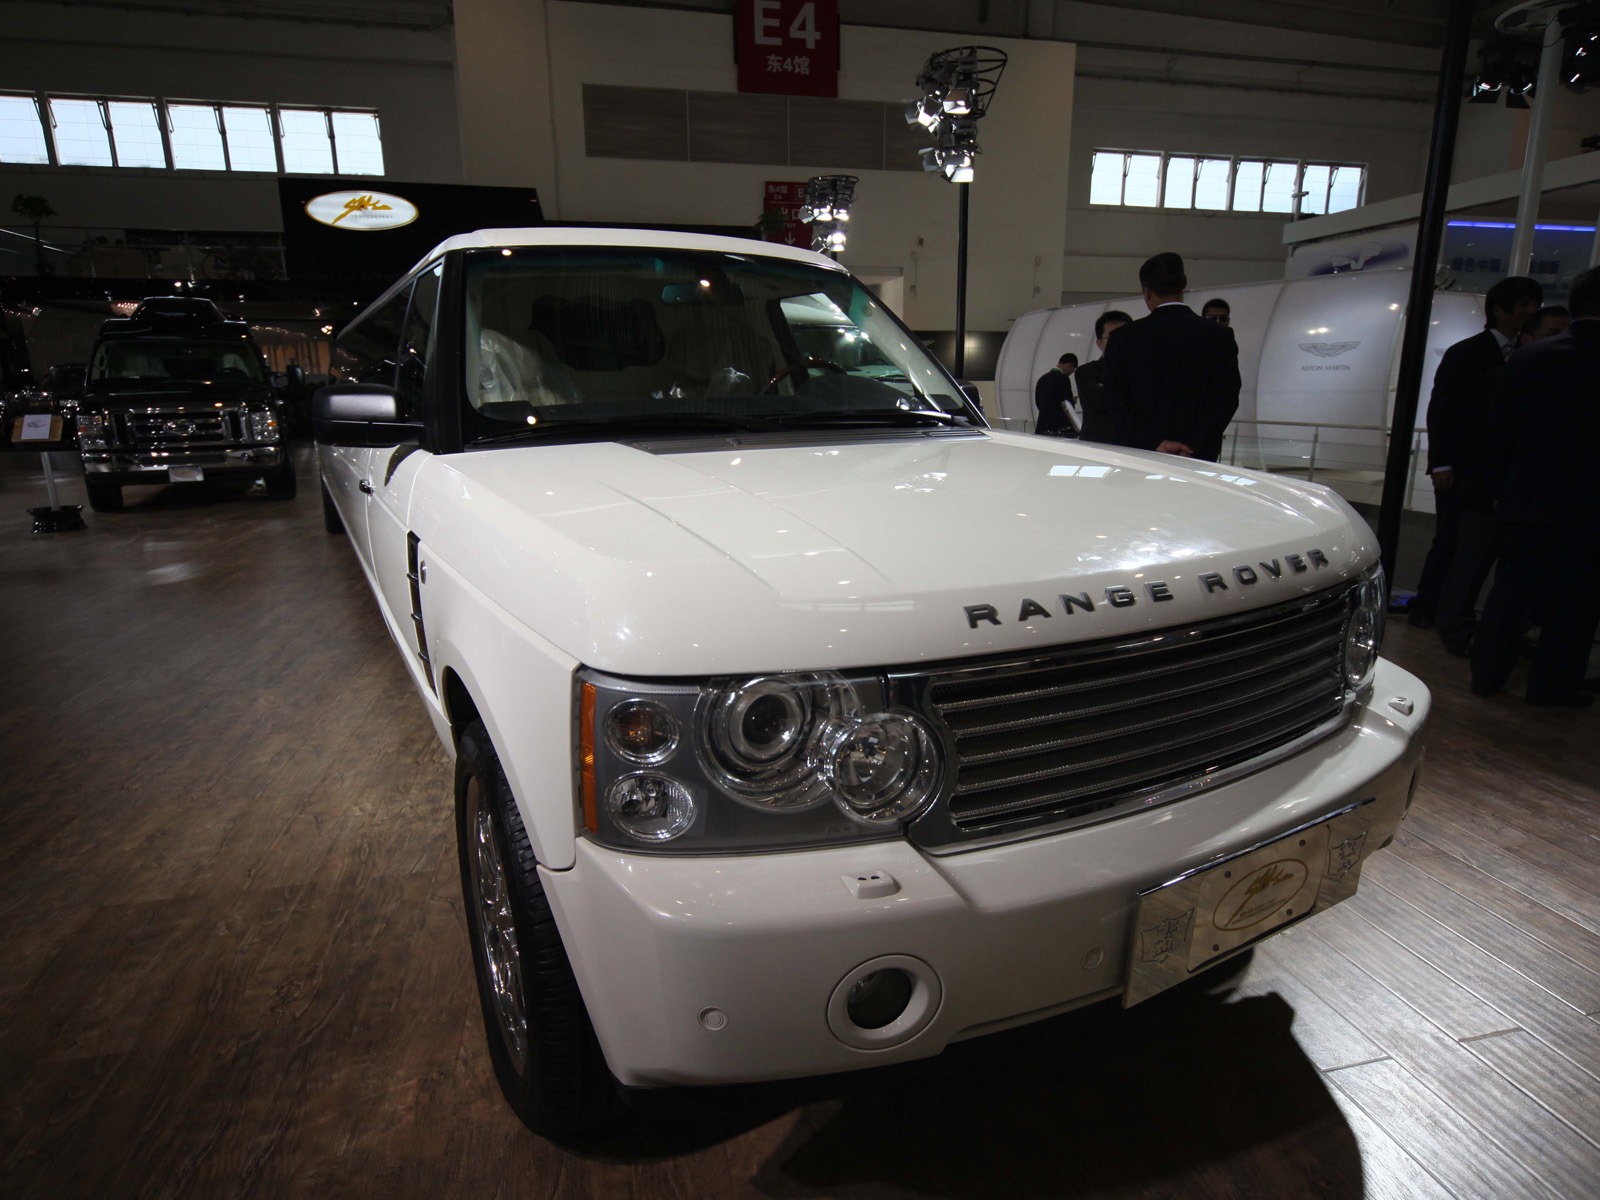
(1211, 912)
(185, 474)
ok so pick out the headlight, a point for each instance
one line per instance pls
(263, 426)
(881, 768)
(1363, 632)
(763, 762)
(761, 739)
(91, 431)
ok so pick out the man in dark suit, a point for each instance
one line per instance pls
(1459, 444)
(1173, 374)
(1052, 396)
(1545, 426)
(1100, 419)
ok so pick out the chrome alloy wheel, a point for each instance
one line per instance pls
(497, 928)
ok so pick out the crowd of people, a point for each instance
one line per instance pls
(1168, 381)
(1514, 412)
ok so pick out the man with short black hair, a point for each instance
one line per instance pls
(1547, 322)
(1546, 424)
(1217, 309)
(1101, 421)
(1459, 447)
(1052, 396)
(1174, 374)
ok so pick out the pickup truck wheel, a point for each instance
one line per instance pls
(280, 480)
(545, 1054)
(103, 497)
(331, 520)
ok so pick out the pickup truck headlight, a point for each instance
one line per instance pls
(262, 426)
(91, 431)
(753, 763)
(1363, 632)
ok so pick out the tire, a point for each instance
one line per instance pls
(280, 480)
(103, 497)
(331, 520)
(545, 1054)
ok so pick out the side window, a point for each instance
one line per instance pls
(368, 350)
(416, 346)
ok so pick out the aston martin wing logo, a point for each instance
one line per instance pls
(1328, 349)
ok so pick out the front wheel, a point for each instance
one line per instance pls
(543, 1047)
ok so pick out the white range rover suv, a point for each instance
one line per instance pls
(803, 722)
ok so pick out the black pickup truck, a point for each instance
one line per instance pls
(176, 393)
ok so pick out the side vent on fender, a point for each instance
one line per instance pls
(414, 575)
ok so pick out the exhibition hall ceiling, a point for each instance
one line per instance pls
(1404, 22)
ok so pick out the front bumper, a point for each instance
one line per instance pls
(723, 970)
(128, 467)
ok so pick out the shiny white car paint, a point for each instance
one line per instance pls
(864, 553)
(1015, 932)
(749, 555)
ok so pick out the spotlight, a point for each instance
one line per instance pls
(827, 209)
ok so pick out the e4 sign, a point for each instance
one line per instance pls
(788, 47)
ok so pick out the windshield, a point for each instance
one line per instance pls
(166, 359)
(585, 338)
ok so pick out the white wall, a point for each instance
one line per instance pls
(406, 75)
(902, 221)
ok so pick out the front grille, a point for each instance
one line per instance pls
(1065, 737)
(179, 428)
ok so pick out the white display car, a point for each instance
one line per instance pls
(802, 722)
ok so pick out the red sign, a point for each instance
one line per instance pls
(790, 47)
(787, 199)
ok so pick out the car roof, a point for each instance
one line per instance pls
(650, 239)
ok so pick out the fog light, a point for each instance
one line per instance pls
(651, 808)
(642, 731)
(879, 998)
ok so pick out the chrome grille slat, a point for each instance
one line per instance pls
(1088, 729)
(1195, 685)
(1110, 790)
(1314, 672)
(1225, 650)
(1200, 728)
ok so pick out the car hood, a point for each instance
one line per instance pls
(738, 554)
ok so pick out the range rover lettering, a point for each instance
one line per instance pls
(802, 722)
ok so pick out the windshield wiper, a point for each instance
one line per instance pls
(823, 417)
(638, 423)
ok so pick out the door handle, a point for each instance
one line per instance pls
(366, 486)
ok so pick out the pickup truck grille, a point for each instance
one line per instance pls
(175, 427)
(1061, 738)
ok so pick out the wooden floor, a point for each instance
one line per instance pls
(233, 961)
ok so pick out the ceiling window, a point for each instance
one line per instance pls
(357, 144)
(136, 133)
(21, 131)
(196, 134)
(83, 136)
(307, 146)
(251, 146)
(200, 135)
(1146, 179)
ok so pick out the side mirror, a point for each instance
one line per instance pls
(360, 414)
